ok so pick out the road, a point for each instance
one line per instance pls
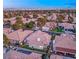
(27, 51)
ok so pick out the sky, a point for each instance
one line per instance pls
(39, 3)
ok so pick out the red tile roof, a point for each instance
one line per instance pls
(17, 55)
(39, 39)
(65, 43)
(19, 35)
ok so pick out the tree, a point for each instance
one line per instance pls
(6, 41)
(60, 18)
(19, 24)
(29, 25)
(41, 22)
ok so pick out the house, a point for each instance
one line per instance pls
(54, 16)
(18, 35)
(40, 16)
(65, 43)
(44, 14)
(38, 39)
(33, 19)
(25, 20)
(44, 28)
(74, 20)
(49, 18)
(6, 19)
(17, 55)
(6, 24)
(12, 20)
(7, 30)
(31, 15)
(59, 57)
(56, 57)
(49, 26)
(66, 18)
(68, 28)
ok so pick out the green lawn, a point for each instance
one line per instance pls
(31, 48)
(57, 30)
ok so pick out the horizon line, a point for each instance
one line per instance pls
(38, 8)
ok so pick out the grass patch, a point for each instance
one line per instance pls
(32, 48)
(57, 30)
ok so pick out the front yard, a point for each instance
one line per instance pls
(31, 48)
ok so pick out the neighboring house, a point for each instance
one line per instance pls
(66, 18)
(7, 30)
(59, 57)
(38, 39)
(44, 28)
(49, 26)
(12, 20)
(25, 20)
(6, 19)
(49, 18)
(40, 16)
(74, 20)
(31, 15)
(18, 35)
(54, 16)
(56, 57)
(44, 14)
(68, 28)
(17, 55)
(6, 25)
(36, 28)
(65, 43)
(33, 19)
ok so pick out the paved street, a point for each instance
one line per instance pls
(27, 51)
